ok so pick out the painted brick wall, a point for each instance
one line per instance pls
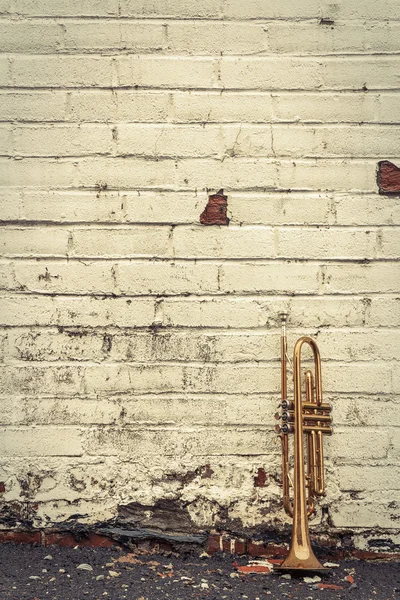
(140, 349)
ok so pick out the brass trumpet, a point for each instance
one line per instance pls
(309, 417)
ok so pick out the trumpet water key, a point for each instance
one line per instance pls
(306, 416)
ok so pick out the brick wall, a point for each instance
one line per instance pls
(140, 349)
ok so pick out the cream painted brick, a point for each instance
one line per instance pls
(361, 278)
(61, 411)
(216, 312)
(128, 242)
(287, 73)
(366, 412)
(368, 478)
(327, 243)
(389, 243)
(327, 311)
(63, 71)
(68, 8)
(5, 70)
(74, 206)
(76, 312)
(62, 140)
(373, 73)
(170, 140)
(33, 242)
(339, 38)
(5, 6)
(139, 36)
(388, 9)
(142, 347)
(104, 207)
(367, 210)
(221, 107)
(118, 106)
(174, 208)
(32, 106)
(126, 173)
(217, 379)
(46, 441)
(356, 345)
(178, 443)
(237, 173)
(328, 140)
(3, 344)
(384, 311)
(242, 312)
(368, 514)
(167, 72)
(203, 37)
(223, 242)
(387, 108)
(394, 450)
(30, 37)
(45, 381)
(281, 208)
(170, 8)
(270, 278)
(65, 277)
(167, 277)
(270, 73)
(365, 444)
(319, 174)
(258, 9)
(330, 107)
(359, 377)
(38, 172)
(6, 140)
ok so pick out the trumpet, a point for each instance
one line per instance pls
(307, 415)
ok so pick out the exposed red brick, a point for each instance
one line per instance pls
(20, 537)
(2, 487)
(366, 555)
(253, 569)
(388, 178)
(329, 586)
(350, 578)
(261, 549)
(215, 211)
(207, 472)
(261, 478)
(213, 543)
(67, 540)
(240, 547)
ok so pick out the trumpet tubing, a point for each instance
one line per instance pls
(309, 417)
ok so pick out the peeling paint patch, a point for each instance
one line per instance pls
(388, 178)
(215, 211)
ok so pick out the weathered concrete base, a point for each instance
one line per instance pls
(332, 546)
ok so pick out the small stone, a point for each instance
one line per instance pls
(100, 577)
(48, 557)
(44, 570)
(61, 570)
(353, 586)
(286, 576)
(204, 555)
(109, 564)
(169, 566)
(113, 573)
(233, 575)
(331, 565)
(34, 577)
(85, 567)
(204, 585)
(314, 579)
(52, 579)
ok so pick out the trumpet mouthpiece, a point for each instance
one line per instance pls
(283, 316)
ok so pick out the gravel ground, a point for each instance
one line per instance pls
(38, 573)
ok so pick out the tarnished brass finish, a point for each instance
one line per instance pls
(309, 417)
